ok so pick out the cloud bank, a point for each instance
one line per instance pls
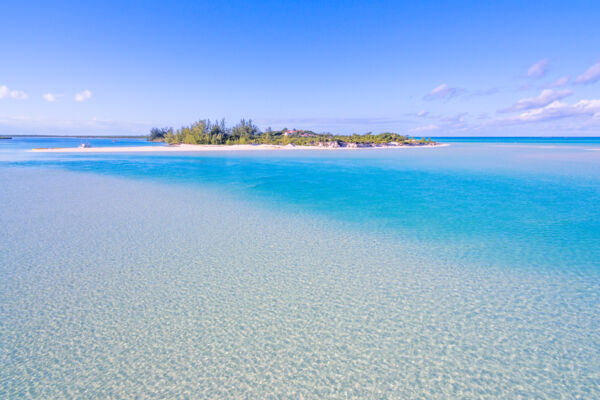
(559, 109)
(546, 97)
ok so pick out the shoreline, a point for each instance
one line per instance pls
(214, 147)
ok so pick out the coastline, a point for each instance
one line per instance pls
(213, 147)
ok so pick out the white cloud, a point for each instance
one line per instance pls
(559, 109)
(83, 96)
(422, 113)
(18, 94)
(546, 97)
(443, 92)
(5, 92)
(51, 97)
(562, 81)
(538, 69)
(425, 128)
(591, 75)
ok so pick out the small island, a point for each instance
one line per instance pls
(206, 135)
(205, 132)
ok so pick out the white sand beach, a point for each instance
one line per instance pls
(207, 147)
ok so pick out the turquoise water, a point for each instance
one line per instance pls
(570, 141)
(465, 271)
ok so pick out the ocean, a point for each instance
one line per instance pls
(466, 271)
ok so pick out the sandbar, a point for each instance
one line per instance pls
(208, 147)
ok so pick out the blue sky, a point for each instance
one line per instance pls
(423, 68)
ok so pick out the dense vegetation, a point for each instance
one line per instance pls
(245, 132)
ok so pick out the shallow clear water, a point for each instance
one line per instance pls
(466, 271)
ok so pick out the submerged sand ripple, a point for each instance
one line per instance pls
(106, 295)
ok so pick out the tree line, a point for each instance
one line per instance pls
(245, 132)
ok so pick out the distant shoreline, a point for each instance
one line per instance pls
(82, 136)
(209, 147)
